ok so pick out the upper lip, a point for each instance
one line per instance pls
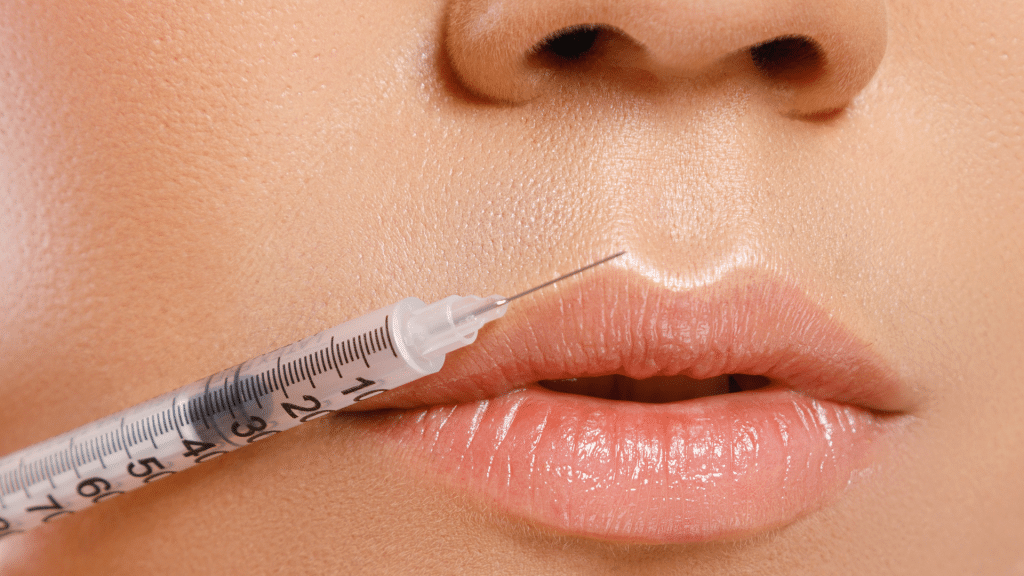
(618, 322)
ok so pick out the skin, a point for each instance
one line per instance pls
(183, 187)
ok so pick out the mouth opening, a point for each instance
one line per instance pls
(656, 390)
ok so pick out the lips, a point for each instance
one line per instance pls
(523, 422)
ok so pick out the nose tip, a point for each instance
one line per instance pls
(808, 56)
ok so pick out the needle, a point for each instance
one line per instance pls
(505, 301)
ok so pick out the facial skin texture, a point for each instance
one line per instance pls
(185, 186)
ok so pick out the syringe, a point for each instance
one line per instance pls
(338, 367)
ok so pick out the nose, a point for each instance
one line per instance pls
(810, 56)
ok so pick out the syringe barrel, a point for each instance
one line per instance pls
(231, 409)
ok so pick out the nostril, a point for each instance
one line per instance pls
(569, 44)
(789, 59)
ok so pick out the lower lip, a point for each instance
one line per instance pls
(699, 470)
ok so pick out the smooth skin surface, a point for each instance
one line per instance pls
(185, 185)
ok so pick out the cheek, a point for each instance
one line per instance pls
(952, 199)
(942, 262)
(179, 169)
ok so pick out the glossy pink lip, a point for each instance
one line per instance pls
(695, 470)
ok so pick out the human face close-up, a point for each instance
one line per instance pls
(807, 361)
